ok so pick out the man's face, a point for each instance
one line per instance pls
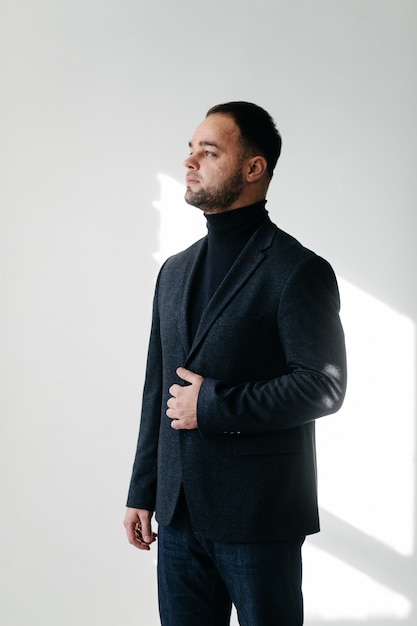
(215, 179)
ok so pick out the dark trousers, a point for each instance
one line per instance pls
(199, 579)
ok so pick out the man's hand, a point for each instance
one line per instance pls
(182, 406)
(138, 528)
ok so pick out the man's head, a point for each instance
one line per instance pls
(232, 157)
(258, 132)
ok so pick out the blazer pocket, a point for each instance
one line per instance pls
(285, 443)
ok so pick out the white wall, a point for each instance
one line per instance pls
(98, 101)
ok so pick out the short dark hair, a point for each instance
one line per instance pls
(257, 129)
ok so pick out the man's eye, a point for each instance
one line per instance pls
(209, 153)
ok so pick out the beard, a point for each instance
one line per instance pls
(217, 199)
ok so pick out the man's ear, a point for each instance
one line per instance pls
(257, 167)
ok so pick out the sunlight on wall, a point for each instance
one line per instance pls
(366, 472)
(335, 591)
(371, 442)
(358, 567)
(174, 214)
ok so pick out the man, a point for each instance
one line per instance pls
(246, 351)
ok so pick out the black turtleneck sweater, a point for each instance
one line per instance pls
(228, 233)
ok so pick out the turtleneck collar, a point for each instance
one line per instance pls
(236, 224)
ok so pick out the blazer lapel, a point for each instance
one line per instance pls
(190, 269)
(247, 263)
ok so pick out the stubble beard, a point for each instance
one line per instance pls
(220, 199)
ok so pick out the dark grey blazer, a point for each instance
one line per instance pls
(270, 347)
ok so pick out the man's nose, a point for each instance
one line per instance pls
(191, 162)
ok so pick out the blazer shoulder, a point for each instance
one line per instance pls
(289, 243)
(289, 257)
(286, 247)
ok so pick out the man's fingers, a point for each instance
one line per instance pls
(174, 390)
(143, 530)
(182, 404)
(138, 528)
(142, 540)
(188, 375)
(135, 540)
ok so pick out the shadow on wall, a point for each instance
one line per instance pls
(362, 566)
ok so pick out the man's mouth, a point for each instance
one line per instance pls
(192, 180)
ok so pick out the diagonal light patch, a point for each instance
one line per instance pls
(367, 472)
(366, 451)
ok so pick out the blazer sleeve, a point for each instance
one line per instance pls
(314, 382)
(142, 490)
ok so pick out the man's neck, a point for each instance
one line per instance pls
(241, 202)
